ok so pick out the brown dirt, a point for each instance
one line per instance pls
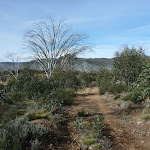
(123, 127)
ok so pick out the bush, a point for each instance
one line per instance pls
(140, 89)
(128, 64)
(65, 79)
(15, 96)
(3, 78)
(87, 78)
(64, 96)
(104, 87)
(104, 75)
(25, 76)
(117, 88)
(18, 133)
(1, 86)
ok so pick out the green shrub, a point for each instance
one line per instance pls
(104, 75)
(15, 96)
(89, 141)
(117, 96)
(1, 86)
(81, 113)
(146, 117)
(66, 96)
(18, 133)
(117, 88)
(128, 63)
(87, 78)
(104, 87)
(140, 89)
(128, 98)
(65, 79)
(3, 78)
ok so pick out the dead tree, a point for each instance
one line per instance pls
(51, 40)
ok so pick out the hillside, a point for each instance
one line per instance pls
(80, 64)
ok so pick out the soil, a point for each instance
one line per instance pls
(124, 127)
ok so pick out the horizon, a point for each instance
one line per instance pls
(109, 25)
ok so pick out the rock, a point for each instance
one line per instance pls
(90, 148)
(147, 102)
(126, 104)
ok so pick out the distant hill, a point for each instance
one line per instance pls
(80, 64)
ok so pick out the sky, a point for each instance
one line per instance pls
(109, 24)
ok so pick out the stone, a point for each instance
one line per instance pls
(126, 104)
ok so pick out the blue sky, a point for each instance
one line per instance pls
(109, 24)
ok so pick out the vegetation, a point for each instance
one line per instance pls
(18, 133)
(140, 90)
(128, 64)
(91, 131)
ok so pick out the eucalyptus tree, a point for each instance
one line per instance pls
(53, 42)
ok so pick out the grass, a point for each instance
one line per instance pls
(89, 141)
(146, 111)
(146, 117)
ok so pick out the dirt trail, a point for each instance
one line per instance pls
(122, 126)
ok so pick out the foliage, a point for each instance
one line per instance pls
(63, 95)
(18, 133)
(140, 89)
(104, 86)
(128, 64)
(146, 117)
(1, 86)
(15, 96)
(81, 112)
(104, 75)
(91, 130)
(65, 79)
(117, 88)
(87, 78)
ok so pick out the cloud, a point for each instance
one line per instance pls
(145, 29)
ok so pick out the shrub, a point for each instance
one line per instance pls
(104, 75)
(117, 88)
(3, 78)
(140, 89)
(81, 113)
(18, 133)
(117, 96)
(128, 64)
(146, 117)
(66, 96)
(104, 87)
(87, 78)
(15, 96)
(25, 76)
(1, 86)
(65, 79)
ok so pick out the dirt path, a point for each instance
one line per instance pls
(122, 127)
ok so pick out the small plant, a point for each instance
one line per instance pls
(146, 117)
(117, 88)
(77, 123)
(81, 113)
(117, 96)
(127, 98)
(104, 87)
(35, 144)
(89, 141)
